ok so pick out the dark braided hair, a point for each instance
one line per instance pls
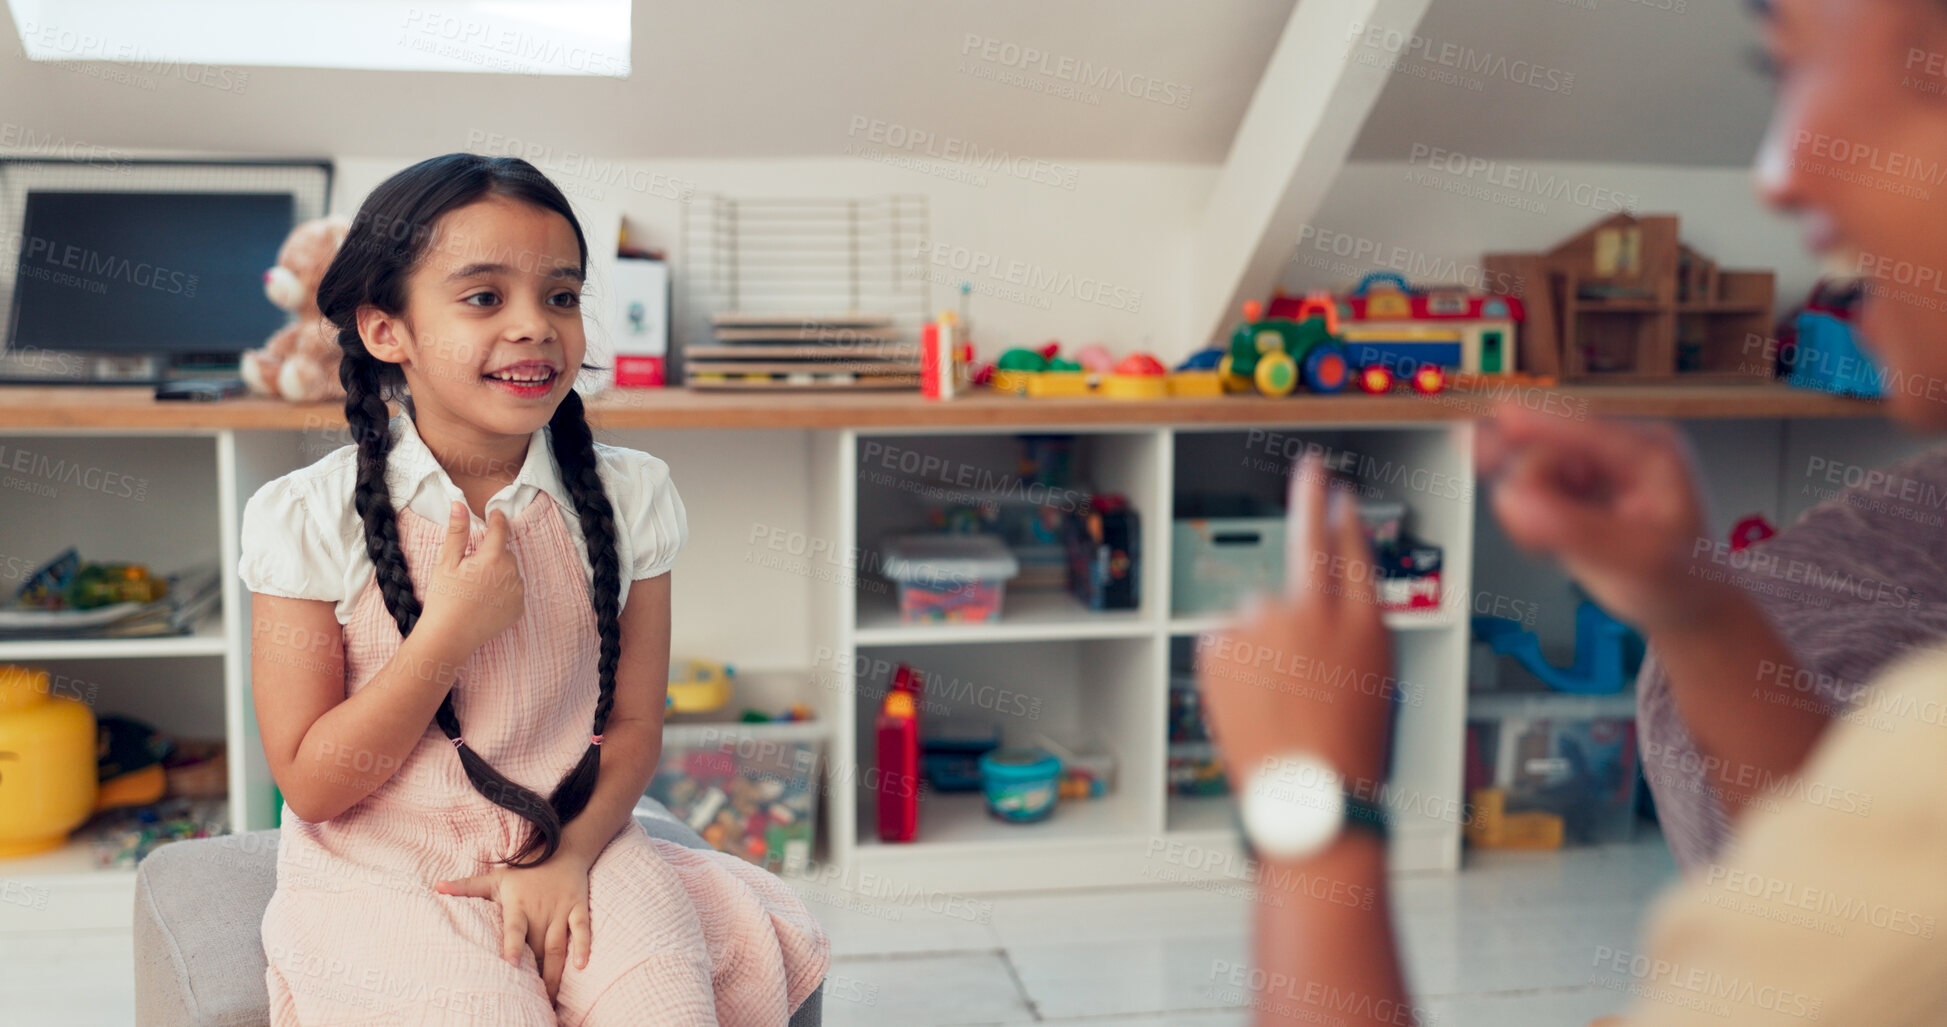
(388, 239)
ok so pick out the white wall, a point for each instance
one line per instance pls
(1417, 217)
(1119, 235)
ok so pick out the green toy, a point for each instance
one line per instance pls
(1021, 360)
(1276, 355)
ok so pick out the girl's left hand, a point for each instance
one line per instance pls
(546, 906)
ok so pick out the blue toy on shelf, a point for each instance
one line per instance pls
(1827, 355)
(1599, 657)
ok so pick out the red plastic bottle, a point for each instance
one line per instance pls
(898, 785)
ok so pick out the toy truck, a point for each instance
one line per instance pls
(1275, 355)
(1385, 321)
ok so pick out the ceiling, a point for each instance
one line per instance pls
(741, 78)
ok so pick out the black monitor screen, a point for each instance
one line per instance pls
(147, 272)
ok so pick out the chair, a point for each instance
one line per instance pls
(199, 909)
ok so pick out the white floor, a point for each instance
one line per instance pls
(1511, 941)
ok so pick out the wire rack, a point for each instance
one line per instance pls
(811, 258)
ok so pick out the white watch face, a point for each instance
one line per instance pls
(1293, 807)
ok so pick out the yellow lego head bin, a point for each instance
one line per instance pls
(47, 763)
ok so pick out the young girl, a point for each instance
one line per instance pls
(460, 655)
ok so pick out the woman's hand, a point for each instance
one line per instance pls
(545, 906)
(1312, 669)
(1614, 501)
(473, 597)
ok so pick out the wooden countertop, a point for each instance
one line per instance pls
(112, 408)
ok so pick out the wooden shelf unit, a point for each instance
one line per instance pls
(215, 456)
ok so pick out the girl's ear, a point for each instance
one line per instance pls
(385, 335)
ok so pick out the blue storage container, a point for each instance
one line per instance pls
(1828, 358)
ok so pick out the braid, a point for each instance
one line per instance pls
(365, 412)
(574, 450)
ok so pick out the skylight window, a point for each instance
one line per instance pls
(520, 37)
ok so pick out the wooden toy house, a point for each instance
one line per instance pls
(1626, 300)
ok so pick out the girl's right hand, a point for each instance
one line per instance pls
(473, 597)
(1615, 501)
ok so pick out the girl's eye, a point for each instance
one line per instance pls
(480, 295)
(567, 299)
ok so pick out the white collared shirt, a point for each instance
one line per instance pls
(303, 539)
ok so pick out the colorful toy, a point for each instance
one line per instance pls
(1039, 373)
(1197, 375)
(1060, 379)
(51, 774)
(1087, 769)
(1015, 367)
(1021, 784)
(1625, 298)
(949, 578)
(750, 790)
(1393, 334)
(1826, 355)
(1598, 666)
(1095, 358)
(1750, 531)
(1139, 376)
(1104, 544)
(1475, 332)
(124, 838)
(1544, 769)
(1491, 826)
(299, 363)
(1196, 769)
(699, 686)
(1276, 355)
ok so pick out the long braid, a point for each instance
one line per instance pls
(574, 451)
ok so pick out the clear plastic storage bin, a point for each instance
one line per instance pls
(954, 578)
(1546, 769)
(749, 789)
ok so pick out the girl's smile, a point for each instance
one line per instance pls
(528, 379)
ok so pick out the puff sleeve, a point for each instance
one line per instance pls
(285, 552)
(650, 514)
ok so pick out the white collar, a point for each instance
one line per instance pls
(416, 480)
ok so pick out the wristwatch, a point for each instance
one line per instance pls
(1294, 805)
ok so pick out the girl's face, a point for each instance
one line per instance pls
(496, 296)
(1858, 150)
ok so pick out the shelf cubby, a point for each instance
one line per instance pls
(1067, 690)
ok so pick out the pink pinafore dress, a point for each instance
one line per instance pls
(355, 933)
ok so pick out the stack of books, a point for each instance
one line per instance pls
(785, 352)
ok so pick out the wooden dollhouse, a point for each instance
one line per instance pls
(1627, 300)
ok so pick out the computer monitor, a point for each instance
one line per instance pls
(144, 273)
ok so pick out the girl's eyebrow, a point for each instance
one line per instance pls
(476, 270)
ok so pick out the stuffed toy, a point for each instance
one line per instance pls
(300, 362)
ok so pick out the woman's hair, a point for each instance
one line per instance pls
(388, 239)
